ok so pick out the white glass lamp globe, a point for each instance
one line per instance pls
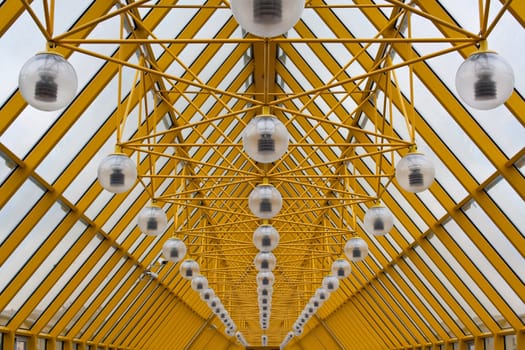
(199, 283)
(264, 300)
(267, 18)
(265, 279)
(266, 238)
(264, 340)
(322, 294)
(298, 331)
(218, 309)
(341, 268)
(189, 269)
(265, 201)
(288, 337)
(265, 138)
(206, 294)
(265, 261)
(265, 291)
(378, 220)
(174, 250)
(315, 301)
(356, 249)
(117, 173)
(152, 220)
(311, 307)
(223, 315)
(214, 302)
(415, 172)
(485, 80)
(229, 332)
(309, 310)
(233, 326)
(331, 283)
(48, 81)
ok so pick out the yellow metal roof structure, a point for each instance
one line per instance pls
(173, 84)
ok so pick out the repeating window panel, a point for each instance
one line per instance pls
(510, 203)
(17, 207)
(485, 267)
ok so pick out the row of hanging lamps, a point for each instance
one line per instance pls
(340, 269)
(241, 339)
(190, 270)
(289, 336)
(267, 18)
(485, 80)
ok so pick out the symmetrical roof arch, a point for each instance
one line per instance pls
(173, 84)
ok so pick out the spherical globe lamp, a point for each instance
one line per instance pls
(415, 172)
(152, 220)
(315, 301)
(229, 332)
(485, 80)
(117, 173)
(199, 283)
(174, 250)
(223, 315)
(265, 291)
(311, 308)
(217, 310)
(265, 261)
(267, 18)
(322, 294)
(330, 283)
(341, 268)
(356, 249)
(265, 138)
(48, 81)
(233, 326)
(265, 201)
(264, 300)
(214, 302)
(298, 331)
(264, 340)
(206, 294)
(266, 238)
(189, 269)
(265, 279)
(378, 220)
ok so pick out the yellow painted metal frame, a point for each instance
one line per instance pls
(197, 171)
